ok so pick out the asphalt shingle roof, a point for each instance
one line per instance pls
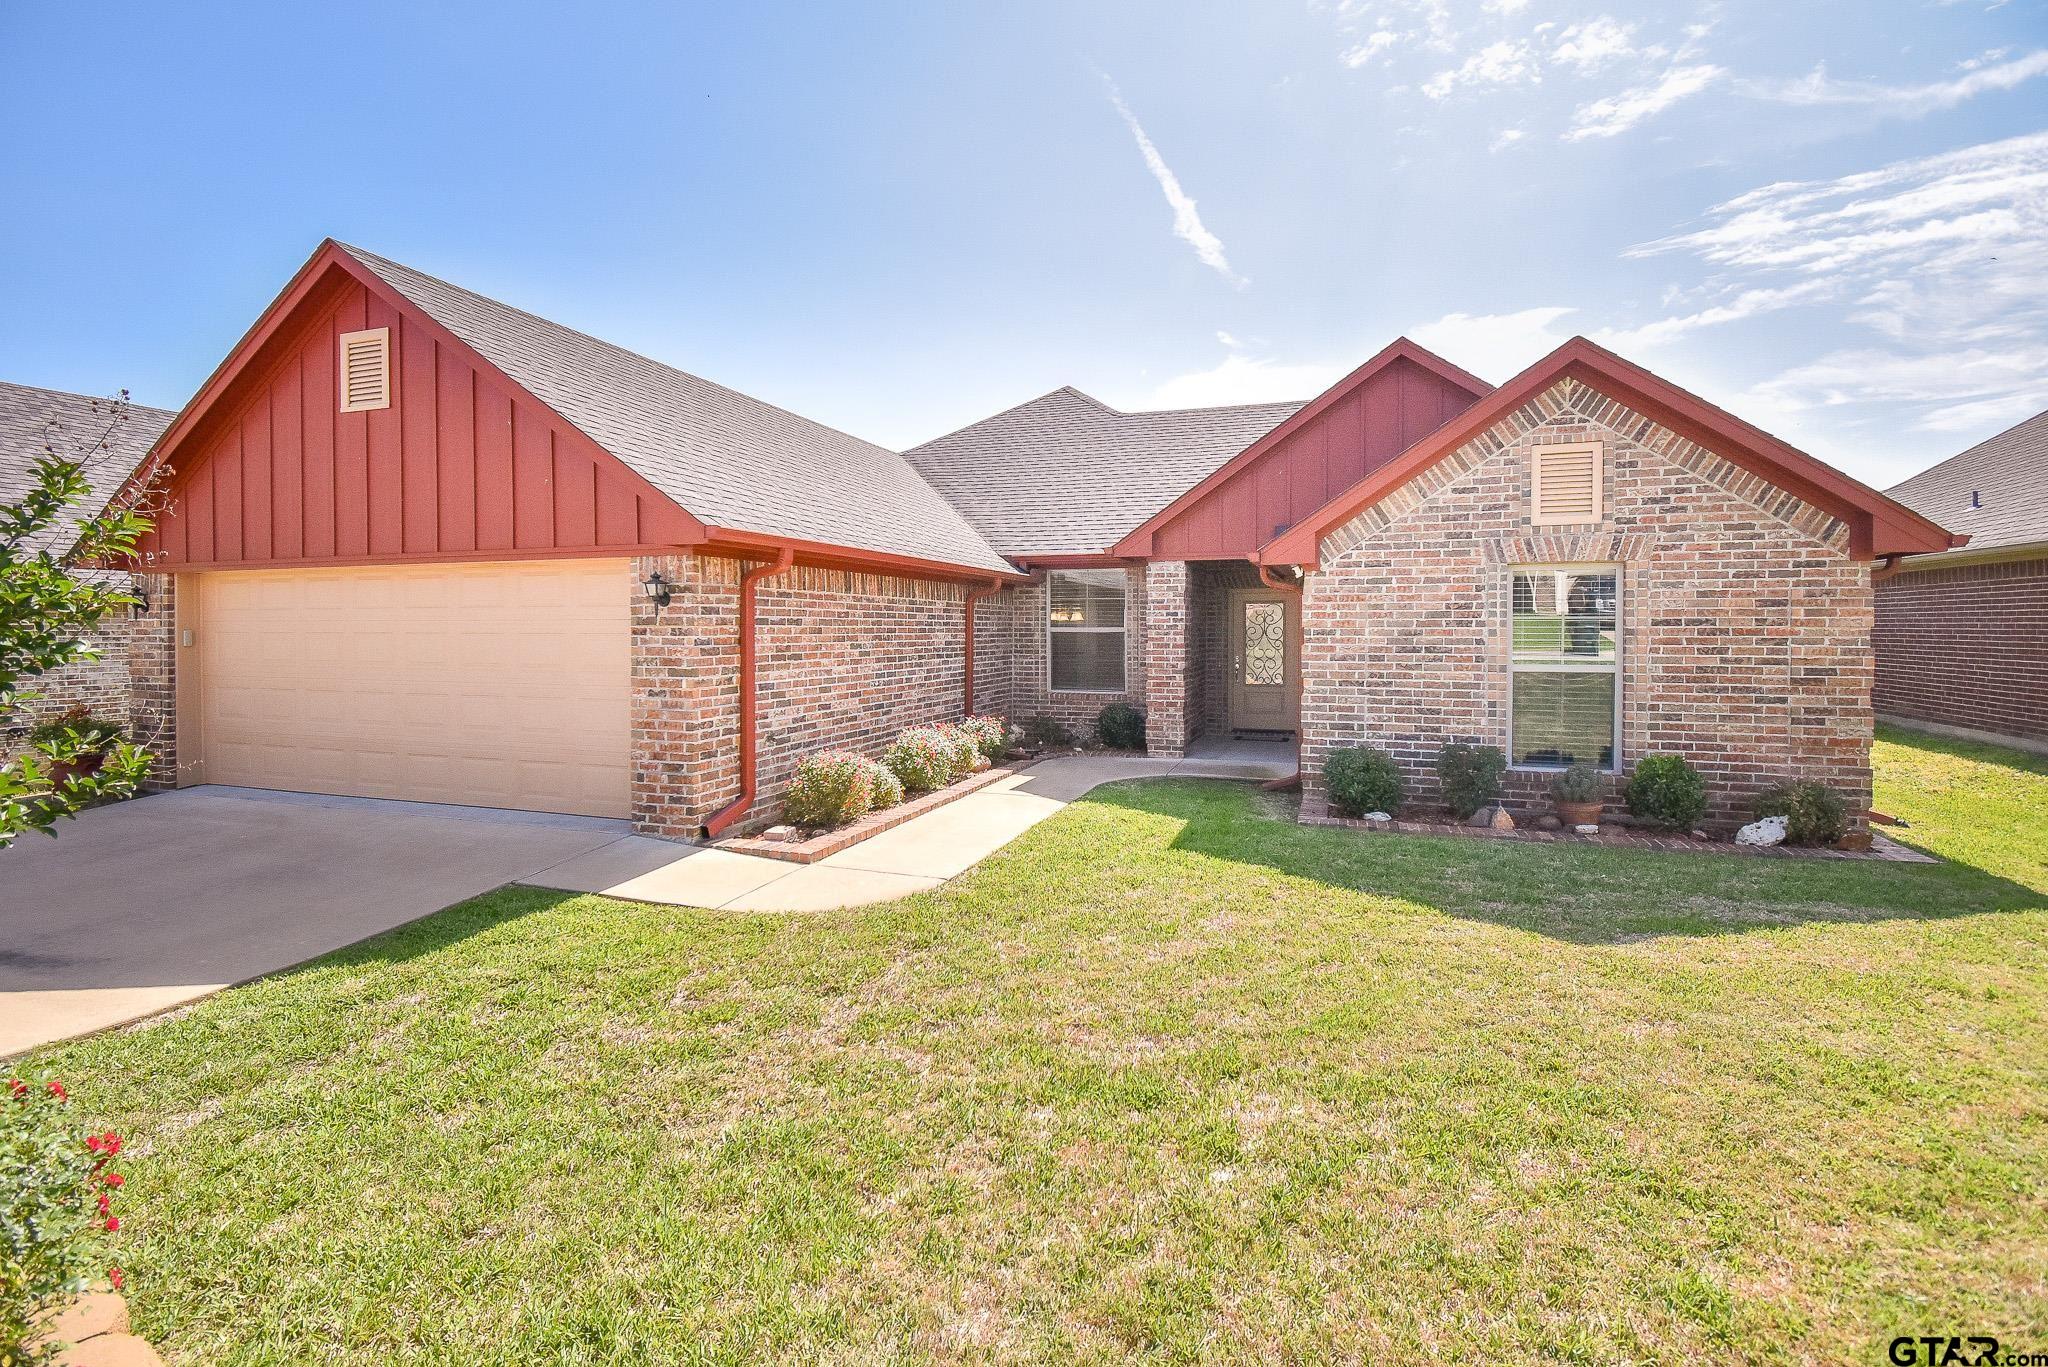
(72, 424)
(733, 461)
(1066, 474)
(2009, 475)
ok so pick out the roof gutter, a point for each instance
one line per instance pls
(737, 808)
(967, 686)
(1273, 581)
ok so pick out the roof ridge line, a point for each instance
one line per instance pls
(74, 394)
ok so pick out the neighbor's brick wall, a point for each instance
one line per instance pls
(844, 661)
(1966, 646)
(1022, 645)
(1745, 624)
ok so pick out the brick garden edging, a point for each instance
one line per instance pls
(1622, 837)
(874, 823)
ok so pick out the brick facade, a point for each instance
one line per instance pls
(1966, 646)
(844, 661)
(1169, 668)
(153, 678)
(1012, 670)
(100, 683)
(1745, 625)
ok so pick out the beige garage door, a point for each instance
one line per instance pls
(500, 685)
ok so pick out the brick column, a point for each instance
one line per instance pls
(685, 702)
(1167, 673)
(153, 678)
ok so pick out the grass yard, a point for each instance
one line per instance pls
(1167, 1078)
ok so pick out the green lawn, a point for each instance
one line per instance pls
(1167, 1078)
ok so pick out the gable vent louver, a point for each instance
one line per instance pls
(1565, 484)
(365, 370)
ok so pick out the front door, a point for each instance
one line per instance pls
(1265, 669)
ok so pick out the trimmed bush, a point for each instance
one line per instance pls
(1121, 727)
(991, 733)
(1814, 813)
(830, 789)
(1666, 791)
(1047, 733)
(888, 787)
(1363, 780)
(964, 749)
(922, 758)
(1470, 775)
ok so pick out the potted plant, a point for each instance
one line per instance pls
(77, 727)
(1577, 794)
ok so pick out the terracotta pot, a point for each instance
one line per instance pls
(1579, 813)
(84, 766)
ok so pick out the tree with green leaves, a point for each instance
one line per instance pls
(57, 547)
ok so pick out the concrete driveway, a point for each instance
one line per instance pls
(139, 906)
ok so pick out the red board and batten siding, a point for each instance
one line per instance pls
(1337, 447)
(460, 466)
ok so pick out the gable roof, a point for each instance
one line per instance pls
(2007, 473)
(1401, 350)
(1878, 525)
(1066, 474)
(733, 462)
(76, 426)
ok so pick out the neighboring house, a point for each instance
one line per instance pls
(426, 546)
(1962, 636)
(111, 439)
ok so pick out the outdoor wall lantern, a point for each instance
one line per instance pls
(659, 589)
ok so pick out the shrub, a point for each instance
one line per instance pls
(94, 735)
(1814, 813)
(992, 734)
(58, 1193)
(1470, 775)
(922, 758)
(1362, 780)
(1121, 727)
(961, 748)
(1666, 791)
(888, 787)
(830, 789)
(1047, 733)
(1580, 783)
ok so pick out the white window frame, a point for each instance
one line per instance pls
(1123, 656)
(1533, 666)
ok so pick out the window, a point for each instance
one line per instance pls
(365, 370)
(1085, 630)
(1564, 690)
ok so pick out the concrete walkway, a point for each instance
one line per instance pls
(921, 853)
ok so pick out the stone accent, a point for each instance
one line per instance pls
(1169, 673)
(1966, 646)
(152, 658)
(1745, 623)
(844, 661)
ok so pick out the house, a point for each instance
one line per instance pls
(1962, 635)
(424, 545)
(108, 439)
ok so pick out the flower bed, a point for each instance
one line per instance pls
(1628, 837)
(810, 849)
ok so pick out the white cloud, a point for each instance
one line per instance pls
(1979, 76)
(1494, 346)
(1505, 7)
(1614, 114)
(1187, 223)
(1943, 258)
(1239, 378)
(1498, 63)
(1595, 43)
(1745, 304)
(1506, 138)
(1373, 45)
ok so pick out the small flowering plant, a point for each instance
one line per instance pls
(991, 734)
(57, 1189)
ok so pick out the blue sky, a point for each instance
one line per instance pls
(897, 218)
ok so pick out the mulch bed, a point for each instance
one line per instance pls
(1624, 837)
(816, 847)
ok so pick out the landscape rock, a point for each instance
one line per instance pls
(1481, 819)
(1378, 818)
(1587, 828)
(110, 1350)
(1854, 840)
(1501, 820)
(782, 833)
(1548, 822)
(1769, 831)
(97, 1312)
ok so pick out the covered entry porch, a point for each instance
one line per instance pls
(1222, 667)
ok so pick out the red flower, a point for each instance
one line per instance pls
(18, 1087)
(92, 1141)
(115, 1278)
(111, 1142)
(105, 1202)
(113, 1179)
(57, 1090)
(113, 1223)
